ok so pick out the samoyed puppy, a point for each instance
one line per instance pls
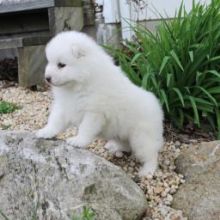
(93, 94)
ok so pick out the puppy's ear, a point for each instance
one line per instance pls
(78, 52)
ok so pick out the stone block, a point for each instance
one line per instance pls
(65, 18)
(31, 65)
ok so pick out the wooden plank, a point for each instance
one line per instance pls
(36, 4)
(26, 5)
(10, 43)
(68, 3)
(35, 40)
(21, 41)
(29, 21)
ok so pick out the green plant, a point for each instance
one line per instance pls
(180, 63)
(7, 107)
(87, 214)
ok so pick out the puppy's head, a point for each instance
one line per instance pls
(69, 56)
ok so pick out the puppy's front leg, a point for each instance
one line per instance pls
(56, 123)
(89, 129)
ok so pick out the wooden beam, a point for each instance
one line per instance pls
(6, 7)
(21, 41)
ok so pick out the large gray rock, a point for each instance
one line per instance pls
(49, 180)
(199, 197)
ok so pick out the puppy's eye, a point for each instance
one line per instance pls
(61, 65)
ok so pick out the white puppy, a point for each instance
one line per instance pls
(93, 94)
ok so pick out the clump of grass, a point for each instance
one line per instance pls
(180, 64)
(87, 214)
(7, 107)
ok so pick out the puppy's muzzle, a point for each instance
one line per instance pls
(48, 79)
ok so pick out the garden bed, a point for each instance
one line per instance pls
(32, 115)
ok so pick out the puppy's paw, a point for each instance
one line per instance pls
(112, 146)
(148, 169)
(77, 142)
(116, 148)
(44, 133)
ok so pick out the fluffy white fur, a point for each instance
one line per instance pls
(94, 95)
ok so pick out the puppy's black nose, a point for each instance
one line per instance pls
(48, 79)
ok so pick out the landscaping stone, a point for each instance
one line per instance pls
(48, 179)
(199, 197)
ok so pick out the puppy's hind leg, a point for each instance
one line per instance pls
(145, 148)
(89, 129)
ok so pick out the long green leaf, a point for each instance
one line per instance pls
(214, 90)
(165, 100)
(175, 57)
(164, 62)
(177, 91)
(191, 55)
(208, 94)
(169, 80)
(135, 58)
(195, 110)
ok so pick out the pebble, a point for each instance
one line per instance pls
(164, 194)
(167, 162)
(119, 154)
(172, 190)
(131, 169)
(193, 141)
(158, 190)
(169, 198)
(132, 163)
(177, 144)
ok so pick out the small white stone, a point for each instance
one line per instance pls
(164, 194)
(169, 198)
(132, 163)
(177, 144)
(149, 176)
(167, 162)
(119, 154)
(158, 190)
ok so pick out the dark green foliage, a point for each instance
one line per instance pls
(7, 107)
(180, 63)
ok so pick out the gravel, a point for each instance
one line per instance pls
(158, 188)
